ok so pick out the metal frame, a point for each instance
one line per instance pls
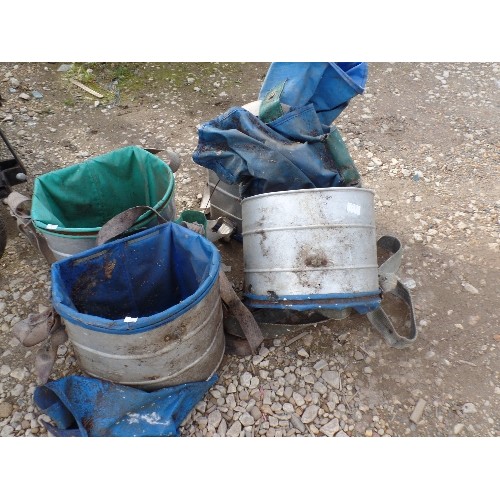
(12, 170)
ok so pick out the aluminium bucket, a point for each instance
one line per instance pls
(144, 310)
(70, 205)
(223, 199)
(311, 249)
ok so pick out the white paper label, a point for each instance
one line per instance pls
(128, 319)
(52, 226)
(352, 208)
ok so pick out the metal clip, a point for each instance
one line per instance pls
(220, 229)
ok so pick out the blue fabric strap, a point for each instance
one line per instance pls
(89, 407)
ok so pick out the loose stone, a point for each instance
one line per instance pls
(18, 373)
(297, 423)
(320, 365)
(214, 418)
(246, 419)
(5, 409)
(469, 408)
(234, 430)
(256, 413)
(320, 388)
(331, 428)
(299, 400)
(18, 390)
(222, 429)
(8, 430)
(332, 378)
(245, 379)
(310, 413)
(341, 434)
(418, 411)
(470, 288)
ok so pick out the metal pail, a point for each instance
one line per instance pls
(311, 249)
(70, 205)
(224, 200)
(145, 310)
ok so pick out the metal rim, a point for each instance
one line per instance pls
(313, 190)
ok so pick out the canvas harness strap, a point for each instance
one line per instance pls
(390, 283)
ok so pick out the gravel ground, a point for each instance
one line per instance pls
(424, 136)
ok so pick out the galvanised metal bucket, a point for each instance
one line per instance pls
(188, 349)
(311, 249)
(224, 200)
(70, 205)
(145, 310)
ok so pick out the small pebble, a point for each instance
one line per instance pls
(332, 378)
(234, 430)
(331, 428)
(469, 408)
(310, 413)
(297, 423)
(5, 410)
(470, 288)
(418, 411)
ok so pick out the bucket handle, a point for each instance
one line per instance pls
(123, 222)
(390, 283)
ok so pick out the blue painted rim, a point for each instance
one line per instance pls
(362, 302)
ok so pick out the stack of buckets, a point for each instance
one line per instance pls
(312, 250)
(143, 310)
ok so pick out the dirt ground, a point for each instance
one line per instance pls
(424, 137)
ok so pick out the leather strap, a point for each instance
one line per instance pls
(123, 222)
